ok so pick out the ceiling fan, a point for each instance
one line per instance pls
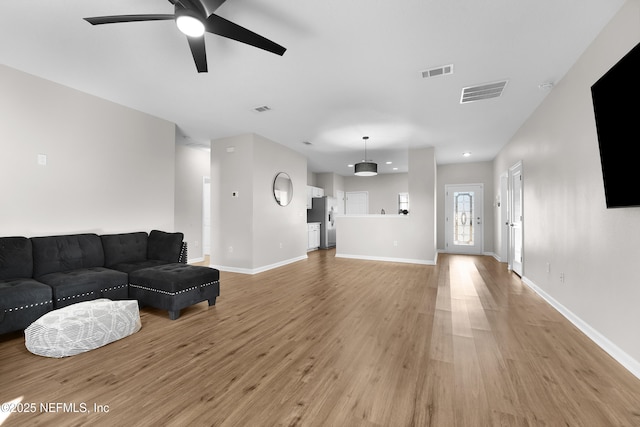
(194, 18)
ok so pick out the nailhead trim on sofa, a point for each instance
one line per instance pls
(75, 296)
(113, 288)
(23, 307)
(174, 293)
(184, 250)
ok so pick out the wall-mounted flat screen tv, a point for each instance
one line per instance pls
(616, 104)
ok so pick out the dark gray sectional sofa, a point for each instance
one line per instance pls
(39, 274)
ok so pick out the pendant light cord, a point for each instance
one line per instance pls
(365, 147)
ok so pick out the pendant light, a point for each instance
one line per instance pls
(366, 168)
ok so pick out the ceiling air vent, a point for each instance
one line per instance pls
(486, 91)
(438, 71)
(262, 109)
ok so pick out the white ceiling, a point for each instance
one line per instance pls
(352, 68)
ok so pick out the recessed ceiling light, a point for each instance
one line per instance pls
(349, 166)
(395, 169)
(389, 163)
(466, 154)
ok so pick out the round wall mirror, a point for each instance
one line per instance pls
(282, 189)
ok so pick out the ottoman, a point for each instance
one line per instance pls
(174, 286)
(81, 327)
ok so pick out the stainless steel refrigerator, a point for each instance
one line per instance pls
(323, 210)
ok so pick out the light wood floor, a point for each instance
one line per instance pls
(338, 342)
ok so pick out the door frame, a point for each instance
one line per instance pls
(206, 216)
(364, 198)
(502, 203)
(516, 225)
(478, 249)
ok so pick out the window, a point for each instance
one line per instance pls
(403, 203)
(463, 218)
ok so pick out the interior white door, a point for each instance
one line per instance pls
(357, 203)
(516, 219)
(464, 218)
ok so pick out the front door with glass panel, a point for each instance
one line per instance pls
(463, 218)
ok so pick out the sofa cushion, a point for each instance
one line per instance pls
(124, 248)
(164, 246)
(83, 284)
(54, 254)
(21, 302)
(129, 267)
(16, 258)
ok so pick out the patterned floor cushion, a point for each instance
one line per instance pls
(82, 327)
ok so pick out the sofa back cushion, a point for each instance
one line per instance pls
(164, 246)
(124, 248)
(54, 254)
(16, 258)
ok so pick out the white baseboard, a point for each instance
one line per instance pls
(387, 259)
(603, 342)
(195, 260)
(259, 269)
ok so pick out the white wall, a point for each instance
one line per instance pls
(566, 223)
(468, 173)
(109, 168)
(422, 196)
(251, 232)
(331, 183)
(280, 232)
(192, 164)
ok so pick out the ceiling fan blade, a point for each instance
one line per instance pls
(127, 18)
(199, 53)
(222, 27)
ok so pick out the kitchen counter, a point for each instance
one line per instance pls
(380, 237)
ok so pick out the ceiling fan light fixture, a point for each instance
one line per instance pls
(190, 25)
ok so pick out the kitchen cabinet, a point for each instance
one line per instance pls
(314, 235)
(313, 192)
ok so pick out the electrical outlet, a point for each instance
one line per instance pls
(230, 249)
(548, 267)
(395, 243)
(562, 278)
